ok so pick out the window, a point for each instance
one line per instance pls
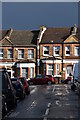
(56, 50)
(31, 72)
(77, 50)
(20, 54)
(50, 69)
(25, 72)
(1, 53)
(30, 54)
(57, 69)
(46, 51)
(10, 54)
(67, 50)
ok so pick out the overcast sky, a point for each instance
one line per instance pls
(25, 15)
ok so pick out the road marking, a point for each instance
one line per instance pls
(14, 114)
(34, 103)
(47, 111)
(49, 105)
(45, 118)
(67, 89)
(57, 102)
(32, 91)
(53, 89)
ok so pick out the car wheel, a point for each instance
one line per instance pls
(49, 82)
(31, 83)
(69, 82)
(5, 108)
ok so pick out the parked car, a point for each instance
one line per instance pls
(66, 81)
(20, 92)
(8, 93)
(42, 80)
(4, 106)
(25, 84)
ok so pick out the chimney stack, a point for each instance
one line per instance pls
(74, 30)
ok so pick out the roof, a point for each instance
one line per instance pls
(58, 35)
(3, 33)
(21, 37)
(24, 37)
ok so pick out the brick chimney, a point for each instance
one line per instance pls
(74, 30)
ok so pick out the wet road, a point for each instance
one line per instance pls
(54, 101)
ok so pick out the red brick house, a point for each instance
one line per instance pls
(48, 51)
(59, 51)
(18, 52)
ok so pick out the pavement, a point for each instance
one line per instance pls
(46, 102)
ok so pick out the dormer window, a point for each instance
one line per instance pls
(46, 51)
(67, 50)
(56, 50)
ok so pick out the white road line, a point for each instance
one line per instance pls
(47, 111)
(53, 89)
(49, 105)
(57, 102)
(14, 114)
(66, 89)
(45, 118)
(32, 91)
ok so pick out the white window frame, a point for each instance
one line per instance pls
(48, 69)
(78, 48)
(9, 53)
(31, 53)
(57, 69)
(21, 53)
(25, 73)
(1, 53)
(66, 49)
(44, 48)
(31, 72)
(54, 49)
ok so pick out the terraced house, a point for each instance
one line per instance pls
(18, 52)
(59, 51)
(48, 51)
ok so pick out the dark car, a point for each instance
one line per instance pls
(8, 93)
(42, 80)
(25, 84)
(4, 106)
(20, 92)
(66, 81)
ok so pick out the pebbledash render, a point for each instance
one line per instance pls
(48, 51)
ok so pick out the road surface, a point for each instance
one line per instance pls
(48, 101)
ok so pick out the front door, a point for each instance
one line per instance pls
(68, 71)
